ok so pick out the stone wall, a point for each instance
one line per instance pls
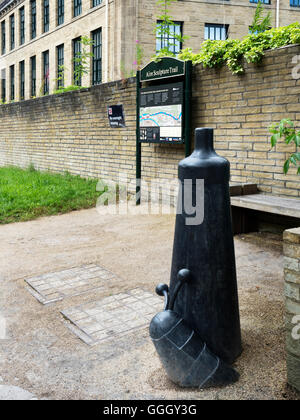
(71, 131)
(292, 292)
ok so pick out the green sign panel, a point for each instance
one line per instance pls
(164, 68)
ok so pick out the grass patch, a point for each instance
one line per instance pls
(28, 194)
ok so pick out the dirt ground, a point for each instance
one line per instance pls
(42, 356)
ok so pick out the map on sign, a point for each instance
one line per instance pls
(161, 113)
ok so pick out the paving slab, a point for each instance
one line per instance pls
(113, 316)
(52, 287)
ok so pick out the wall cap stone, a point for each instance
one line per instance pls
(292, 235)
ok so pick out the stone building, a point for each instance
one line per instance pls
(38, 37)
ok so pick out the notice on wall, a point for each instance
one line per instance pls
(161, 109)
(116, 116)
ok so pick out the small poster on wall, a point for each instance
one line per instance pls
(116, 116)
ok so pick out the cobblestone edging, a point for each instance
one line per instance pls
(291, 249)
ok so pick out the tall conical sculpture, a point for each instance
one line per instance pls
(209, 302)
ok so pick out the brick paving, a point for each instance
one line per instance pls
(53, 287)
(112, 316)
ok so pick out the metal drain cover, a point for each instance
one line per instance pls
(112, 316)
(52, 287)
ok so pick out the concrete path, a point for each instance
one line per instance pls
(38, 353)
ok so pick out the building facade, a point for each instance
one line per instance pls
(40, 40)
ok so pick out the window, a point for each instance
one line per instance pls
(22, 25)
(262, 1)
(12, 31)
(46, 16)
(33, 18)
(22, 80)
(46, 72)
(60, 64)
(60, 12)
(33, 76)
(168, 39)
(97, 57)
(295, 3)
(77, 7)
(3, 85)
(77, 61)
(216, 31)
(3, 38)
(12, 82)
(96, 3)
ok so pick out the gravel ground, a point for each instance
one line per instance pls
(42, 356)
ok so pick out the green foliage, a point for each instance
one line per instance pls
(162, 29)
(70, 88)
(232, 52)
(28, 194)
(260, 23)
(31, 168)
(286, 130)
(139, 55)
(82, 59)
(60, 76)
(125, 74)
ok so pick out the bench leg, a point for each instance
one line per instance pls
(243, 220)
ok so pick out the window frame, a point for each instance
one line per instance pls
(3, 37)
(33, 76)
(3, 85)
(46, 15)
(75, 42)
(60, 12)
(22, 25)
(22, 79)
(46, 68)
(265, 2)
(216, 26)
(96, 3)
(12, 29)
(77, 8)
(12, 82)
(162, 39)
(33, 16)
(97, 57)
(60, 58)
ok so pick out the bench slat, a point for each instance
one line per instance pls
(269, 204)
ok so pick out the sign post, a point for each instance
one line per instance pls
(163, 94)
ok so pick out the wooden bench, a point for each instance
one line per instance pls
(245, 205)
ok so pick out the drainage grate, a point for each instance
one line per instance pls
(112, 316)
(52, 287)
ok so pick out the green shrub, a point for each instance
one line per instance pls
(68, 89)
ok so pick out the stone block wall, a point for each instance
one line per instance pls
(292, 294)
(71, 131)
